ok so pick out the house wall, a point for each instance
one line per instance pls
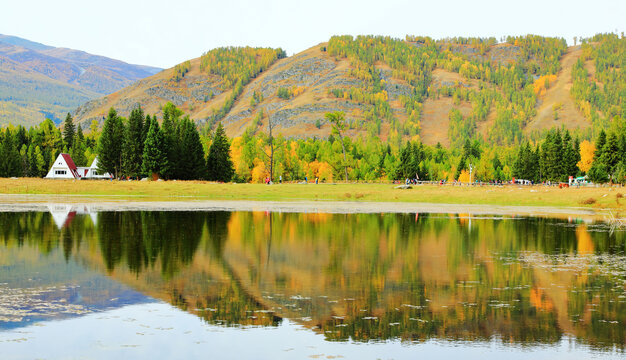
(53, 173)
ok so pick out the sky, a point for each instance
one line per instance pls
(164, 33)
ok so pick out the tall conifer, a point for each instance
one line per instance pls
(133, 143)
(69, 130)
(154, 159)
(110, 145)
(219, 163)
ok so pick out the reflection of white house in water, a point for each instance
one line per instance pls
(63, 214)
(65, 168)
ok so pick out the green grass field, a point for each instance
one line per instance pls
(598, 198)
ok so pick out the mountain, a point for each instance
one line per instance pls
(39, 81)
(440, 91)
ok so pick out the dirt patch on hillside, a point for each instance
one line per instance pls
(435, 120)
(559, 94)
(443, 78)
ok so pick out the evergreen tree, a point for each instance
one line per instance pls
(462, 165)
(537, 164)
(36, 164)
(110, 145)
(525, 165)
(418, 156)
(146, 127)
(569, 156)
(79, 134)
(611, 153)
(21, 137)
(10, 160)
(133, 143)
(78, 152)
(577, 156)
(69, 130)
(193, 165)
(623, 147)
(600, 144)
(404, 166)
(171, 143)
(598, 172)
(552, 156)
(219, 164)
(154, 159)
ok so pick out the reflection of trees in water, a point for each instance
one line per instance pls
(143, 238)
(217, 226)
(461, 281)
(467, 281)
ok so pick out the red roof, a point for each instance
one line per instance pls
(71, 165)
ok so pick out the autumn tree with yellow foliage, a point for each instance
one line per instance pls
(587, 149)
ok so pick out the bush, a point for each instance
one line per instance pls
(284, 93)
(589, 201)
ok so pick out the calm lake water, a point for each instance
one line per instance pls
(260, 285)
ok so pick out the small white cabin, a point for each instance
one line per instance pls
(93, 172)
(64, 168)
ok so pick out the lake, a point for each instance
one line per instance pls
(75, 283)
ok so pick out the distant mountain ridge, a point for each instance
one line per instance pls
(38, 81)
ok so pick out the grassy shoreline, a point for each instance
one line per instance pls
(511, 195)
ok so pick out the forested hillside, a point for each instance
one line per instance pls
(374, 108)
(39, 81)
(436, 91)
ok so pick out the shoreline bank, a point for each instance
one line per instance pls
(18, 203)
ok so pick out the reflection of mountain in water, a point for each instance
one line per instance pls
(363, 276)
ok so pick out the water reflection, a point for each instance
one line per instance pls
(364, 277)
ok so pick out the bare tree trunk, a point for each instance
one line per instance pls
(345, 160)
(269, 123)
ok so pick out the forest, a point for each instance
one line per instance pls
(140, 147)
(176, 147)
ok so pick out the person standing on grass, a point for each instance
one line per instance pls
(280, 179)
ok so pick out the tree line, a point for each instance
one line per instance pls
(176, 149)
(140, 147)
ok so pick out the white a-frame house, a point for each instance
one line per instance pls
(65, 168)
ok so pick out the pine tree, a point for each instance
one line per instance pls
(576, 156)
(133, 143)
(623, 147)
(21, 137)
(569, 156)
(171, 144)
(79, 133)
(154, 159)
(416, 162)
(219, 164)
(600, 144)
(403, 169)
(78, 152)
(611, 153)
(110, 145)
(193, 165)
(146, 127)
(538, 176)
(69, 130)
(10, 160)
